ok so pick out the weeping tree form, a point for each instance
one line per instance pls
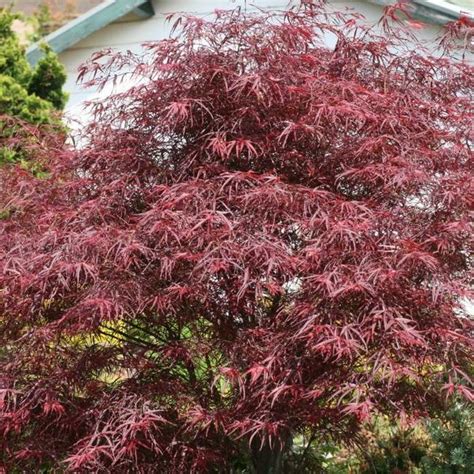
(261, 244)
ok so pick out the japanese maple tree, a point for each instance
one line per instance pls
(266, 239)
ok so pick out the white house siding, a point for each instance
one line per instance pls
(130, 32)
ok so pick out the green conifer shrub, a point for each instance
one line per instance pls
(29, 94)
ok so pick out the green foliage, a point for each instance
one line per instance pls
(13, 61)
(33, 95)
(453, 442)
(438, 446)
(393, 448)
(47, 80)
(321, 456)
(17, 102)
(382, 448)
(444, 445)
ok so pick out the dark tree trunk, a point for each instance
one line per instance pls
(267, 459)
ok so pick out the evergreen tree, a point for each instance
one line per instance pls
(31, 95)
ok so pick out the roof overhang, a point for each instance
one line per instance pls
(430, 11)
(86, 24)
(436, 12)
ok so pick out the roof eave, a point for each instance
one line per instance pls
(86, 24)
(429, 11)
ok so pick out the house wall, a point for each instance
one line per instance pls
(130, 32)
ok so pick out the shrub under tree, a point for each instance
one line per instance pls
(264, 240)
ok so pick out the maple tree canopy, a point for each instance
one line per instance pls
(264, 237)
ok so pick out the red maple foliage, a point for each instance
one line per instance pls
(264, 237)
